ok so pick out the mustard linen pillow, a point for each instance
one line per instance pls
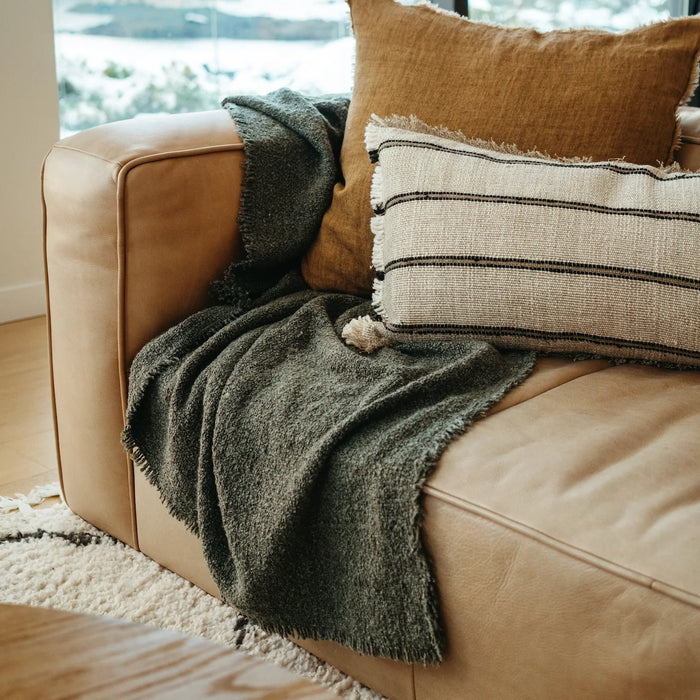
(567, 93)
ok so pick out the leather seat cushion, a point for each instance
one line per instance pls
(598, 459)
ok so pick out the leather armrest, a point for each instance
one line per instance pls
(688, 155)
(139, 217)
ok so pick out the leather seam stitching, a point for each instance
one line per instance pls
(62, 147)
(157, 155)
(565, 548)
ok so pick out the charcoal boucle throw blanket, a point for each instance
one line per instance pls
(295, 458)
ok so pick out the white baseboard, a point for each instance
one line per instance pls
(22, 301)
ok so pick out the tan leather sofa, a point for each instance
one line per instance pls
(564, 527)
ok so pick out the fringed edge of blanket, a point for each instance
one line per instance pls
(359, 644)
(141, 462)
(458, 427)
(132, 448)
(231, 289)
(246, 220)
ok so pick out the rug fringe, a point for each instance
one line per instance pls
(24, 503)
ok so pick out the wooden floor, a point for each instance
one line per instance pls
(27, 449)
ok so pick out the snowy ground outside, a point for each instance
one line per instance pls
(614, 15)
(106, 78)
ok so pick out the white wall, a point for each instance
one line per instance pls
(28, 128)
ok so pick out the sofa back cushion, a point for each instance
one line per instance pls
(688, 155)
(566, 93)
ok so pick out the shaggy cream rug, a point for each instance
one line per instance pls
(51, 558)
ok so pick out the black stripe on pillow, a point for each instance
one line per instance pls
(502, 331)
(572, 268)
(606, 165)
(437, 196)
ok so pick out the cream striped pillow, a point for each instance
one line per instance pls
(529, 252)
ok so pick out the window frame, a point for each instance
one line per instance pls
(678, 8)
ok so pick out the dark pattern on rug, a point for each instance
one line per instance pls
(240, 630)
(46, 563)
(79, 539)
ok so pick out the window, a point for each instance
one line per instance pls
(117, 59)
(120, 58)
(616, 15)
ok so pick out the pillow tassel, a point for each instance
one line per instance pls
(365, 334)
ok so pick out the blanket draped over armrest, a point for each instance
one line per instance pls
(295, 458)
